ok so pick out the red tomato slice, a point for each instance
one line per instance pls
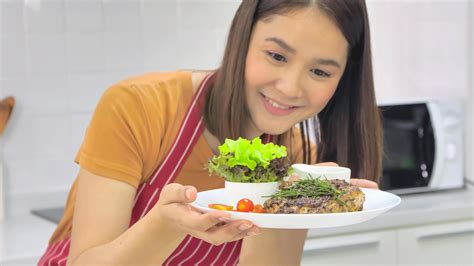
(220, 207)
(258, 208)
(245, 205)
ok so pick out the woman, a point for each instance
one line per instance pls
(286, 62)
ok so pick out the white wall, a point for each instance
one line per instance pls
(469, 110)
(420, 49)
(58, 56)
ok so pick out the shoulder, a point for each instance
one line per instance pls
(198, 76)
(157, 82)
(155, 78)
(150, 90)
(151, 99)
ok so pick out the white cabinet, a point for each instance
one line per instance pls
(367, 248)
(443, 244)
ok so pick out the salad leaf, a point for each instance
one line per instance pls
(245, 153)
(242, 160)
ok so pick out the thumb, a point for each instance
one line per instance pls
(293, 178)
(177, 193)
(327, 164)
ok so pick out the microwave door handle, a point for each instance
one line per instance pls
(426, 170)
(421, 151)
(423, 138)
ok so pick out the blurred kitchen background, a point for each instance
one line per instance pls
(58, 56)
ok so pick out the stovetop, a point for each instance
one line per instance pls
(51, 214)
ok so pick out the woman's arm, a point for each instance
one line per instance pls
(100, 233)
(274, 247)
(101, 218)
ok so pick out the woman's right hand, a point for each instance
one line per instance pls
(173, 211)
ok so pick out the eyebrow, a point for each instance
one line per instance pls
(292, 50)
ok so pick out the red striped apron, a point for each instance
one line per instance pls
(191, 251)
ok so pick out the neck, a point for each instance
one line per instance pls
(252, 132)
(212, 141)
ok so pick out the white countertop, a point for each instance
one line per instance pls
(24, 237)
(27, 236)
(416, 209)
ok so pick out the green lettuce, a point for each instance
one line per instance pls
(247, 161)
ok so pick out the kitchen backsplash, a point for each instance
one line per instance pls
(58, 56)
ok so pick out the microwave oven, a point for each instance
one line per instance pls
(423, 147)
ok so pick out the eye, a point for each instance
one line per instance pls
(320, 73)
(277, 57)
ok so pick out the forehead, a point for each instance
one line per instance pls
(308, 30)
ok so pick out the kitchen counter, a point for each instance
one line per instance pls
(24, 238)
(416, 209)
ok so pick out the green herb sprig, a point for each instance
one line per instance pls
(311, 188)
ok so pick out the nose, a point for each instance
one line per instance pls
(289, 84)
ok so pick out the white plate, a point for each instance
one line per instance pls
(376, 203)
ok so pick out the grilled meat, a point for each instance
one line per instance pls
(351, 200)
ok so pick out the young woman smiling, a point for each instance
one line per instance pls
(286, 63)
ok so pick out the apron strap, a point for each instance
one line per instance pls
(188, 135)
(190, 130)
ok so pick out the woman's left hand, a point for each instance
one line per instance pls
(364, 183)
(354, 181)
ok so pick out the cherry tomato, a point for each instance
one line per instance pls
(220, 207)
(245, 205)
(258, 208)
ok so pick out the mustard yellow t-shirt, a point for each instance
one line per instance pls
(133, 127)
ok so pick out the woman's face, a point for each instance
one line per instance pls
(293, 66)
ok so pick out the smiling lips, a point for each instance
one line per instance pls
(276, 108)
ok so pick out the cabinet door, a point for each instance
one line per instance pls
(352, 249)
(442, 244)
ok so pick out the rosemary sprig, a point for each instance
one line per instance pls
(311, 188)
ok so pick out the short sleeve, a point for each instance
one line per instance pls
(111, 146)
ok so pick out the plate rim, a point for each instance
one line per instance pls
(388, 207)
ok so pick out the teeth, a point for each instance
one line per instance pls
(274, 104)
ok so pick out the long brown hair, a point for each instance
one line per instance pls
(349, 126)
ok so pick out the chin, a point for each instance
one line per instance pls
(274, 129)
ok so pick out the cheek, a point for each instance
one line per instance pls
(319, 100)
(256, 71)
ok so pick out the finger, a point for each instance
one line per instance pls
(254, 231)
(176, 193)
(250, 232)
(327, 164)
(208, 220)
(219, 235)
(293, 178)
(364, 183)
(233, 231)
